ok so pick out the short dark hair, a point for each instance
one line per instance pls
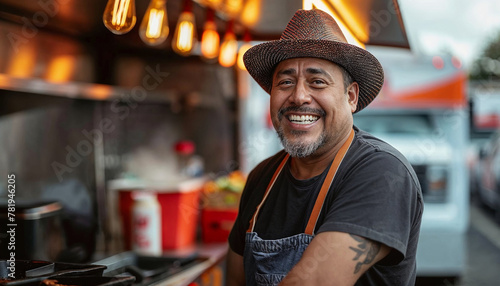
(347, 78)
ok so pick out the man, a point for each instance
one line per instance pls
(337, 206)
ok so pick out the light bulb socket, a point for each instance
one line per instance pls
(187, 6)
(247, 36)
(230, 27)
(210, 15)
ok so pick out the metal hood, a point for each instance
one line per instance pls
(372, 22)
(375, 22)
(65, 41)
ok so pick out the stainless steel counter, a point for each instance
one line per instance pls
(214, 253)
(173, 268)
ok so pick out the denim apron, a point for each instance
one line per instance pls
(266, 262)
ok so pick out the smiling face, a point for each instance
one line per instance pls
(310, 107)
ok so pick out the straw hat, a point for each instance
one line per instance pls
(314, 33)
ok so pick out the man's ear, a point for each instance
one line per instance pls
(352, 93)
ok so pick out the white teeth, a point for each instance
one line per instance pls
(303, 119)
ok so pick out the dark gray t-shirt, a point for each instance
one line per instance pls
(375, 194)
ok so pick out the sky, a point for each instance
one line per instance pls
(462, 27)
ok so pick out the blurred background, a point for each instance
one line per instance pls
(98, 98)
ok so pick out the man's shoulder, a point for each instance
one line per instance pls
(368, 139)
(265, 169)
(386, 157)
(257, 181)
(366, 144)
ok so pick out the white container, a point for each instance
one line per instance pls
(146, 224)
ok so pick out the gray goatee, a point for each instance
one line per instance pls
(300, 149)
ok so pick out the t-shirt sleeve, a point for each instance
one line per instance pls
(375, 199)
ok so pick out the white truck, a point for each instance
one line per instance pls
(422, 111)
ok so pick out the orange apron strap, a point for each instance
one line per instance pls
(269, 187)
(318, 205)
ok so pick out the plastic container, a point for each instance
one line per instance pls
(146, 224)
(216, 224)
(180, 211)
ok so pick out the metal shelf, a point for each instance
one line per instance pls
(78, 90)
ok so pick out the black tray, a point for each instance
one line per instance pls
(27, 272)
(25, 268)
(37, 268)
(77, 281)
(147, 269)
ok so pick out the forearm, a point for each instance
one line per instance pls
(335, 258)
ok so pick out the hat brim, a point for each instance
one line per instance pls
(364, 68)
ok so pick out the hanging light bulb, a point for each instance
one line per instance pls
(185, 32)
(229, 48)
(184, 37)
(154, 26)
(250, 14)
(210, 39)
(233, 7)
(246, 45)
(119, 16)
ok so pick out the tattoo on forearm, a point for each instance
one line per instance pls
(366, 251)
